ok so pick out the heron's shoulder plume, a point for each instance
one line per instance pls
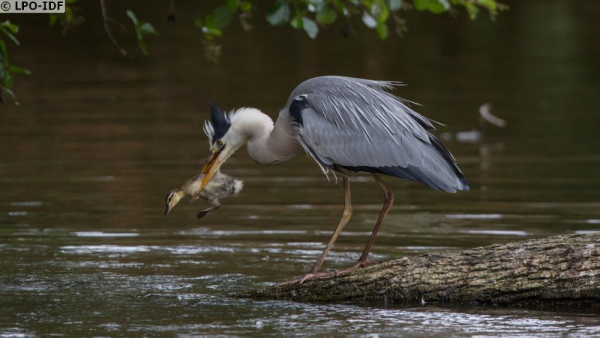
(218, 125)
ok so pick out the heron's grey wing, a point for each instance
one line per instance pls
(353, 104)
(352, 128)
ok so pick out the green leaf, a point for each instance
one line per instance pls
(141, 29)
(143, 47)
(222, 17)
(10, 35)
(18, 70)
(490, 4)
(147, 28)
(11, 94)
(198, 23)
(8, 80)
(54, 19)
(211, 31)
(472, 9)
(382, 30)
(310, 27)
(326, 16)
(68, 16)
(394, 5)
(245, 6)
(9, 29)
(315, 6)
(369, 20)
(438, 6)
(297, 22)
(3, 54)
(209, 21)
(420, 5)
(232, 4)
(279, 13)
(12, 27)
(132, 16)
(434, 6)
(380, 11)
(342, 7)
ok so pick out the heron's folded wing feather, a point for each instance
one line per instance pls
(361, 106)
(400, 153)
(348, 148)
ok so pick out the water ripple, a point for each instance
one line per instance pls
(496, 232)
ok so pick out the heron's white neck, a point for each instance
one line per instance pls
(267, 143)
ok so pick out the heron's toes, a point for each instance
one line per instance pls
(315, 275)
(359, 264)
(305, 277)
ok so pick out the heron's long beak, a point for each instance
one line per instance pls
(212, 165)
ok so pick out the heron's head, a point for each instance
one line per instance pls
(172, 199)
(225, 136)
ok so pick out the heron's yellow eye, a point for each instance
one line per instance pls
(219, 143)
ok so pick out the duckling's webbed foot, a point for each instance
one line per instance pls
(206, 211)
(203, 213)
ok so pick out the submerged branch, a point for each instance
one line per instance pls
(559, 269)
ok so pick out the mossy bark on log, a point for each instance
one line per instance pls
(559, 269)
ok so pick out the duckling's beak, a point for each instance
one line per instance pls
(169, 208)
(212, 166)
(172, 199)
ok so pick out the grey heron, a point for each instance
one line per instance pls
(348, 126)
(220, 186)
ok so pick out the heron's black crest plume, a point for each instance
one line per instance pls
(219, 124)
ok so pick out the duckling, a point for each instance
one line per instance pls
(220, 186)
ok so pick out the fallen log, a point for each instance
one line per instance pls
(554, 270)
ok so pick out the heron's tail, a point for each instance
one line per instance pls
(442, 150)
(438, 170)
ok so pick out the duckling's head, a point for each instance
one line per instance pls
(172, 199)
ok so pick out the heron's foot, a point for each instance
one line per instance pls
(305, 277)
(358, 265)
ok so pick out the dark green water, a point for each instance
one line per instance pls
(98, 141)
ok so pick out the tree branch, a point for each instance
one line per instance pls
(560, 269)
(108, 30)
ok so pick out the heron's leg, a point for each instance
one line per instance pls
(388, 195)
(346, 214)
